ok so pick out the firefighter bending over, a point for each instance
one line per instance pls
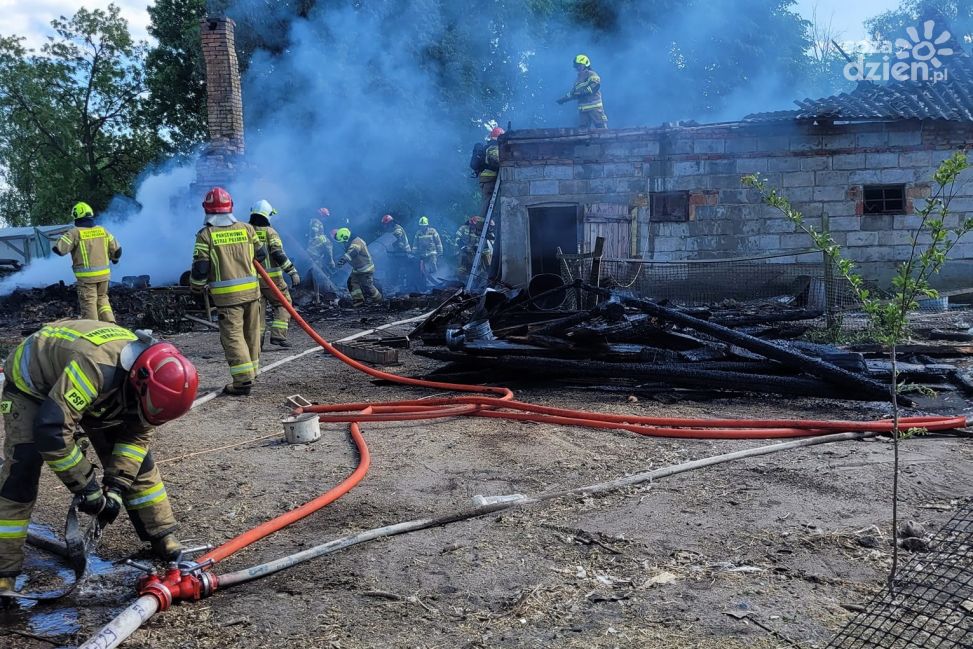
(113, 384)
(361, 282)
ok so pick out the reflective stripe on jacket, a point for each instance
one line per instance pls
(587, 90)
(91, 251)
(357, 254)
(230, 251)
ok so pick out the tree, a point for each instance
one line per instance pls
(72, 121)
(176, 73)
(956, 15)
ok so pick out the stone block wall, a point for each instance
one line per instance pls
(822, 169)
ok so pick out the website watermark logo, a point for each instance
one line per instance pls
(920, 57)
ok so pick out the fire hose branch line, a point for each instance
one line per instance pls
(196, 582)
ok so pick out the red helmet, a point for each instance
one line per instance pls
(496, 132)
(218, 201)
(324, 212)
(475, 219)
(165, 383)
(387, 219)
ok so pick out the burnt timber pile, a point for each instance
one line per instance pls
(623, 343)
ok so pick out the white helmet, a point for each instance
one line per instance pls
(263, 208)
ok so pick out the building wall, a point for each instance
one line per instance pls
(612, 175)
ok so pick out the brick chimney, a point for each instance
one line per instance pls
(223, 155)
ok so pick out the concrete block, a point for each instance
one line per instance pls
(895, 238)
(784, 164)
(916, 159)
(881, 160)
(905, 138)
(587, 152)
(772, 143)
(751, 165)
(778, 226)
(734, 196)
(586, 171)
(817, 163)
(719, 166)
(844, 223)
(861, 239)
(797, 179)
(623, 169)
(534, 172)
(868, 177)
(877, 223)
(543, 187)
(822, 178)
(838, 141)
(568, 187)
(764, 242)
(812, 210)
(795, 241)
(686, 168)
(864, 140)
(682, 145)
(906, 222)
(741, 144)
(514, 189)
(839, 208)
(646, 148)
(558, 172)
(798, 195)
(708, 145)
(870, 253)
(804, 142)
(668, 244)
(897, 176)
(848, 161)
(828, 193)
(726, 181)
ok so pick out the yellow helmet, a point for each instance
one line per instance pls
(81, 210)
(582, 59)
(423, 220)
(341, 235)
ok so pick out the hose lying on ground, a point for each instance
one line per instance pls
(501, 405)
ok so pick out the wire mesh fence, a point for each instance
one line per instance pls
(802, 276)
(932, 604)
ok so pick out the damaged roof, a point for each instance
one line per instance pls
(948, 99)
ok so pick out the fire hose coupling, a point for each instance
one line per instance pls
(183, 580)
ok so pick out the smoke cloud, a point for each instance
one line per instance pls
(372, 108)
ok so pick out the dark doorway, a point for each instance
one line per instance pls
(552, 228)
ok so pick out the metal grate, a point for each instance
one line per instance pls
(932, 606)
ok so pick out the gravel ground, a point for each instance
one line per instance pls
(792, 539)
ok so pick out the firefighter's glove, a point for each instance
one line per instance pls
(112, 508)
(91, 501)
(295, 278)
(564, 99)
(342, 261)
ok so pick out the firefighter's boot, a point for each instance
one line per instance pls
(238, 389)
(168, 547)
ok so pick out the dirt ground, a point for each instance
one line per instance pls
(790, 541)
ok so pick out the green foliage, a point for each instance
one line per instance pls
(72, 119)
(889, 318)
(957, 15)
(176, 73)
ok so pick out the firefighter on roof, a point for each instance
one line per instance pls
(587, 92)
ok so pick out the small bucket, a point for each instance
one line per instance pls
(302, 429)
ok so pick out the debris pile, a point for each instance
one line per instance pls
(620, 342)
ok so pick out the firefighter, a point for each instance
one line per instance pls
(223, 262)
(91, 247)
(489, 167)
(361, 282)
(429, 248)
(114, 385)
(278, 264)
(401, 244)
(398, 270)
(321, 252)
(467, 241)
(587, 92)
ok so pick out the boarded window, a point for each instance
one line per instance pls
(884, 199)
(670, 207)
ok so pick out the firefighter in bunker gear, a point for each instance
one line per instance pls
(467, 241)
(361, 282)
(321, 251)
(114, 385)
(488, 176)
(428, 248)
(587, 92)
(277, 265)
(398, 270)
(223, 261)
(91, 248)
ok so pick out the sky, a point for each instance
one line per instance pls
(31, 18)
